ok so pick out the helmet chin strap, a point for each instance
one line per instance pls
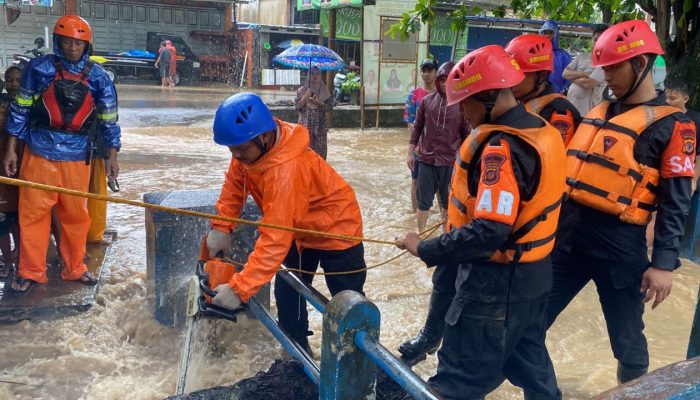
(538, 84)
(490, 103)
(261, 145)
(638, 78)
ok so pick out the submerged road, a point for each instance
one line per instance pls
(116, 350)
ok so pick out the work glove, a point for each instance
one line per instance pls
(218, 241)
(226, 298)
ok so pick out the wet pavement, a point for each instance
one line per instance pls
(60, 297)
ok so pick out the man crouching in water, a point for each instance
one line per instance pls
(294, 187)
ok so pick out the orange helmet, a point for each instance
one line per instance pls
(487, 68)
(73, 26)
(623, 41)
(532, 52)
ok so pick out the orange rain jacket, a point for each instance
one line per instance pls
(294, 187)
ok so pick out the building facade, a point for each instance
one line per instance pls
(120, 25)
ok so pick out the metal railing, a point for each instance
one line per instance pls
(350, 350)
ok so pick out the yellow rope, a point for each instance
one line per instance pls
(40, 186)
(428, 232)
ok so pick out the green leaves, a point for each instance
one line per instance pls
(424, 12)
(351, 84)
(687, 8)
(407, 24)
(410, 22)
(608, 11)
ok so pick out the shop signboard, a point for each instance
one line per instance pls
(347, 23)
(43, 3)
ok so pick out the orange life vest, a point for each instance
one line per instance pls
(563, 122)
(173, 61)
(601, 171)
(532, 238)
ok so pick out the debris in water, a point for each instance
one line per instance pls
(284, 380)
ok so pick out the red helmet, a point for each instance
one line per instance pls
(533, 53)
(623, 41)
(73, 26)
(487, 68)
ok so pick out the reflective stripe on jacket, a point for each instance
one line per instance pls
(52, 144)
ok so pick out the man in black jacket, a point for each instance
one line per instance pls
(627, 159)
(506, 193)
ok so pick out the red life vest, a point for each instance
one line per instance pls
(66, 105)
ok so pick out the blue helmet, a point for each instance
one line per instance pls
(241, 118)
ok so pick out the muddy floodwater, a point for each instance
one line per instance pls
(117, 350)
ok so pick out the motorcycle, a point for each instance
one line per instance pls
(22, 60)
(339, 96)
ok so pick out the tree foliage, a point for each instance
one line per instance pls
(580, 11)
(682, 50)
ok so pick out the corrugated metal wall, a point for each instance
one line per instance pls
(482, 36)
(117, 26)
(19, 37)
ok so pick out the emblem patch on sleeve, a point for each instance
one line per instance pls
(491, 168)
(498, 197)
(678, 159)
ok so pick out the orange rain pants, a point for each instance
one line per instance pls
(97, 208)
(35, 216)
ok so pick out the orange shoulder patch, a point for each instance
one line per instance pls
(564, 124)
(498, 197)
(678, 159)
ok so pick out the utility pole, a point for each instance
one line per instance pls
(331, 45)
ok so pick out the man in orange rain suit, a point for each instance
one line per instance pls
(535, 56)
(97, 209)
(173, 62)
(294, 186)
(62, 98)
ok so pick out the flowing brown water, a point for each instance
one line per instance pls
(116, 350)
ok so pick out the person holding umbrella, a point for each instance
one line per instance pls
(312, 102)
(313, 99)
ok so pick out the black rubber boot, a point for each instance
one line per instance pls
(430, 336)
(302, 338)
(626, 374)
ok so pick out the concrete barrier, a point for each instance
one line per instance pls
(349, 116)
(173, 243)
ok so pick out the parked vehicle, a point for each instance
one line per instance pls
(125, 66)
(21, 60)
